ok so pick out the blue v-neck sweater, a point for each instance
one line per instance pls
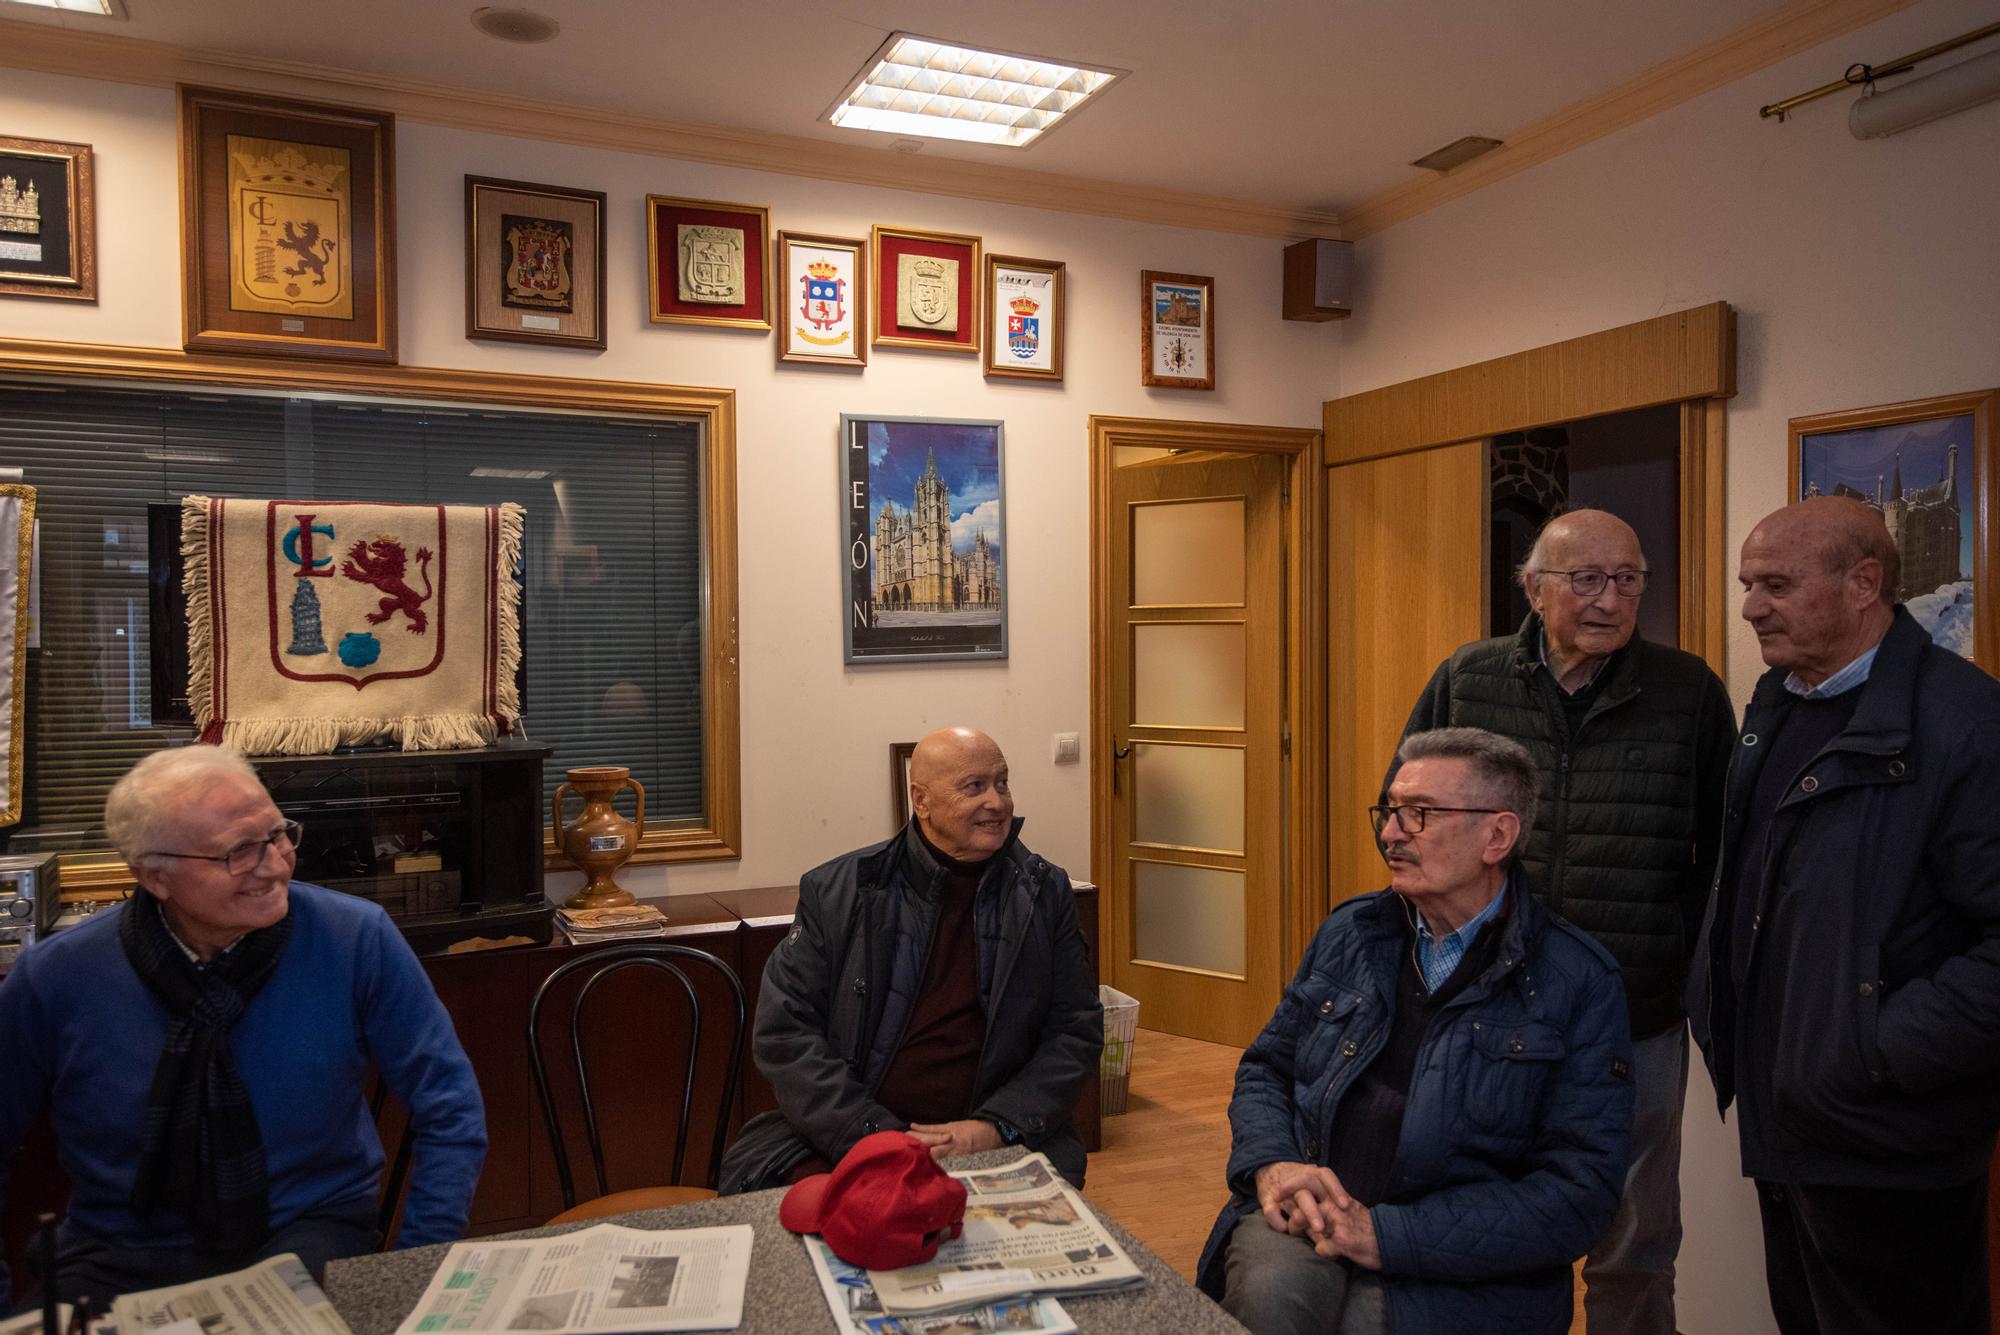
(81, 1034)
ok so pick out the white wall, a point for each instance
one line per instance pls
(815, 734)
(1861, 273)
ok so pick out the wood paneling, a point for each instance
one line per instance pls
(1687, 355)
(1406, 574)
(1705, 564)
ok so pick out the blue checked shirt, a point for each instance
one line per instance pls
(1436, 959)
(1840, 683)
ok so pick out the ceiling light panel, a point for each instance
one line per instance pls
(110, 9)
(916, 85)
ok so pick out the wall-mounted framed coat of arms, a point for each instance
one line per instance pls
(534, 263)
(927, 290)
(288, 227)
(705, 262)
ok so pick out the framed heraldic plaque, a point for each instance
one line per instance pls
(1928, 467)
(822, 299)
(926, 290)
(705, 262)
(1024, 312)
(288, 227)
(534, 263)
(1177, 317)
(48, 220)
(925, 547)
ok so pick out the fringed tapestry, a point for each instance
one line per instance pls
(314, 625)
(17, 544)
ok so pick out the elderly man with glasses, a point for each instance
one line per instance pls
(1436, 1121)
(203, 1051)
(1632, 740)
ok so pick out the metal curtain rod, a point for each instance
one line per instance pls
(1858, 74)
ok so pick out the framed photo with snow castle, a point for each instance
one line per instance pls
(1927, 466)
(925, 555)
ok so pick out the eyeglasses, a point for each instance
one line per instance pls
(247, 856)
(1412, 819)
(1590, 583)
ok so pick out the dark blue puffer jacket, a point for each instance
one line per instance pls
(1518, 1127)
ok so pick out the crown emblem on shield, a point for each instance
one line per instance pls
(1025, 305)
(823, 271)
(291, 166)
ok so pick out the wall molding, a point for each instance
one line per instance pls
(1783, 33)
(52, 50)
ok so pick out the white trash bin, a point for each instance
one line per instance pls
(1114, 1069)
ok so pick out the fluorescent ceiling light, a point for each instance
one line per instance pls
(110, 9)
(916, 85)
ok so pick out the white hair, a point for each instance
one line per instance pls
(143, 808)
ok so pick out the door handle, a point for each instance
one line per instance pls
(1118, 753)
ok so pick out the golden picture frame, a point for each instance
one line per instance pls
(706, 263)
(534, 263)
(48, 220)
(288, 227)
(1024, 312)
(1177, 327)
(927, 290)
(822, 299)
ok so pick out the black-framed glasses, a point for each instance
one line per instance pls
(245, 857)
(1412, 819)
(1588, 583)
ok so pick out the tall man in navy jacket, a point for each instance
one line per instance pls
(1847, 984)
(203, 1051)
(1437, 1120)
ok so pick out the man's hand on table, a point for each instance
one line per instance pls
(947, 1139)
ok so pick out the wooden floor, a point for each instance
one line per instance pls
(1160, 1171)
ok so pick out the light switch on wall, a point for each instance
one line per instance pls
(1066, 749)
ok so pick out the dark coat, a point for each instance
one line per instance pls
(1877, 952)
(1625, 842)
(1518, 1124)
(839, 990)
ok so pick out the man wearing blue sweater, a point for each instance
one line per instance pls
(203, 1051)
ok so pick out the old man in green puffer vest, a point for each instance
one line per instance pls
(1632, 740)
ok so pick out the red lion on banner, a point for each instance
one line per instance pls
(381, 562)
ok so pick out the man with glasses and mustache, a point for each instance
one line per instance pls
(1436, 1121)
(203, 1051)
(1631, 740)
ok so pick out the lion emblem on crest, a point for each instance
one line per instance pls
(312, 249)
(380, 561)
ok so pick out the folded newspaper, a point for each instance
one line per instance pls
(857, 1311)
(273, 1297)
(603, 1278)
(1027, 1233)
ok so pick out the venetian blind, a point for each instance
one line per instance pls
(613, 582)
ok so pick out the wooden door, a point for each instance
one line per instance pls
(1406, 580)
(1196, 590)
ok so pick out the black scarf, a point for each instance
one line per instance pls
(202, 1150)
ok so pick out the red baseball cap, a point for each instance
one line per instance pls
(885, 1205)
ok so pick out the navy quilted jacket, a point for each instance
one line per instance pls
(1518, 1128)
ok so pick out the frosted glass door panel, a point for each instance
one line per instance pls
(1187, 552)
(1190, 796)
(1190, 916)
(1187, 675)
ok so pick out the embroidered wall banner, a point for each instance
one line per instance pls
(319, 624)
(17, 541)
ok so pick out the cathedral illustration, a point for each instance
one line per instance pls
(916, 569)
(1923, 522)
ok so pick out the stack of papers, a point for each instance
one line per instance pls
(632, 922)
(1028, 1238)
(273, 1297)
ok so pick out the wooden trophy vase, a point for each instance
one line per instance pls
(599, 840)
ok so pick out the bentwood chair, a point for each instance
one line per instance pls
(669, 968)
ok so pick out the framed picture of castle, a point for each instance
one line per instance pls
(925, 539)
(1928, 467)
(288, 227)
(48, 220)
(1177, 330)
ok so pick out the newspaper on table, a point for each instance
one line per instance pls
(30, 1323)
(1026, 1233)
(273, 1297)
(857, 1311)
(603, 1278)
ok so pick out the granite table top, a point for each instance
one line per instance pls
(374, 1293)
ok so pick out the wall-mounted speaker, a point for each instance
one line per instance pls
(1319, 277)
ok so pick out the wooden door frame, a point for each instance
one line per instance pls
(1305, 651)
(1686, 358)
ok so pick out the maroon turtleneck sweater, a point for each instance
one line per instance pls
(931, 1077)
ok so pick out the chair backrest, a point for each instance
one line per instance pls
(396, 1165)
(668, 960)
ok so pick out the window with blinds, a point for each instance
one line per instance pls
(615, 637)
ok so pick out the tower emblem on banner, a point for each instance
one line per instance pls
(362, 606)
(823, 305)
(1024, 328)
